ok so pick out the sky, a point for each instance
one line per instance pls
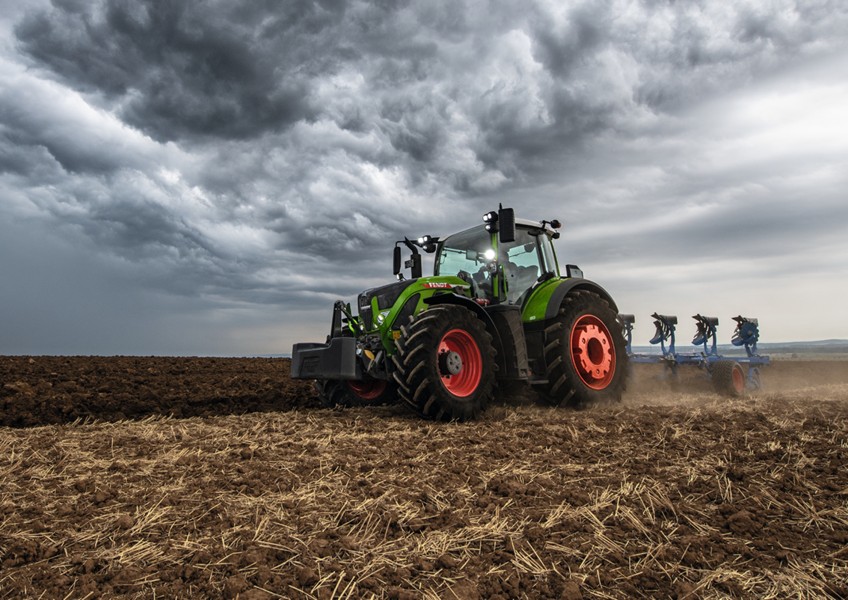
(206, 178)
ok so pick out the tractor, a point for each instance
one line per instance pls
(496, 313)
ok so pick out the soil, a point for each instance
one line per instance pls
(59, 389)
(137, 477)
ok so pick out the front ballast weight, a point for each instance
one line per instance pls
(730, 375)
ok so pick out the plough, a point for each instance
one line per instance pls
(727, 373)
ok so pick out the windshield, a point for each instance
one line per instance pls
(471, 255)
(465, 251)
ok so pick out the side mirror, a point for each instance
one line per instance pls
(396, 268)
(506, 221)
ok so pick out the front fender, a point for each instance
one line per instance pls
(453, 298)
(481, 313)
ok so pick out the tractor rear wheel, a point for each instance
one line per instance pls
(728, 378)
(584, 352)
(369, 392)
(445, 364)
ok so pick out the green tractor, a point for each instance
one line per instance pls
(496, 311)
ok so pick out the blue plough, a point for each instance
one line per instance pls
(726, 373)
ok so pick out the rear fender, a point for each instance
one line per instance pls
(545, 301)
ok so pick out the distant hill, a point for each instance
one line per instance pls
(814, 347)
(818, 347)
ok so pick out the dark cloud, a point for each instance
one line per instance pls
(560, 46)
(195, 71)
(204, 71)
(187, 69)
(17, 159)
(28, 149)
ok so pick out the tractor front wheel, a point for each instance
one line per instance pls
(584, 352)
(445, 364)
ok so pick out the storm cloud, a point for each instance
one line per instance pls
(262, 159)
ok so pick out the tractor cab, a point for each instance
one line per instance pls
(499, 270)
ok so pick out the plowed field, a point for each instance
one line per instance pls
(188, 477)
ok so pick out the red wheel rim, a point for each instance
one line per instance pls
(592, 352)
(368, 390)
(464, 382)
(738, 379)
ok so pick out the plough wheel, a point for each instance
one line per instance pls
(728, 378)
(369, 392)
(584, 352)
(445, 364)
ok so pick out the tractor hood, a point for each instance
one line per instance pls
(386, 296)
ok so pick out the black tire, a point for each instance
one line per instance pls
(585, 354)
(728, 378)
(445, 364)
(371, 392)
